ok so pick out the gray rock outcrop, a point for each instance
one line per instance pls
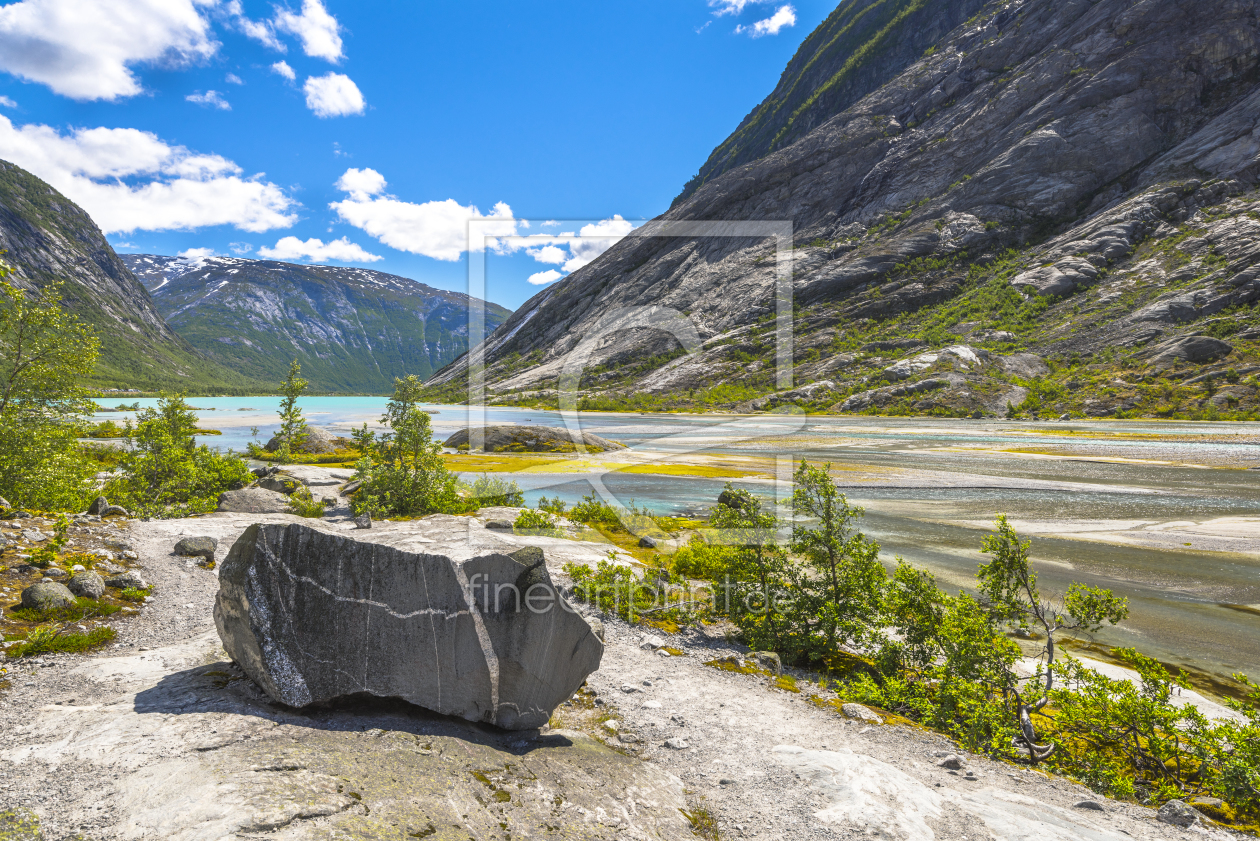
(47, 595)
(87, 585)
(532, 439)
(317, 440)
(1194, 349)
(314, 616)
(253, 501)
(129, 580)
(197, 547)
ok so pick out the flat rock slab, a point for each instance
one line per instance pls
(253, 501)
(532, 439)
(313, 615)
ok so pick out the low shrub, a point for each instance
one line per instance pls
(48, 640)
(490, 491)
(134, 594)
(83, 609)
(303, 504)
(534, 522)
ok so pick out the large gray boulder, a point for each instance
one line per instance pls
(88, 585)
(47, 595)
(317, 441)
(253, 501)
(313, 616)
(197, 547)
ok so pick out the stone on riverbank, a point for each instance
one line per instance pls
(47, 595)
(87, 585)
(426, 628)
(532, 439)
(197, 547)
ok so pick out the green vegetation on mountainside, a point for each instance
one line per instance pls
(352, 330)
(48, 239)
(861, 45)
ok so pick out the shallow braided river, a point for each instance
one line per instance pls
(1165, 513)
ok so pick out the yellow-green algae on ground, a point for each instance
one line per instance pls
(447, 779)
(19, 825)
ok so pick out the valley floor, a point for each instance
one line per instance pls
(161, 737)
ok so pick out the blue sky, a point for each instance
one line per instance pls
(367, 133)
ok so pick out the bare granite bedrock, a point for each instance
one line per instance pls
(313, 616)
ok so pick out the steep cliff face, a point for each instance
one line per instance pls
(1049, 179)
(46, 237)
(860, 46)
(352, 329)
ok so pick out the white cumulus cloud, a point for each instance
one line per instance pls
(196, 253)
(260, 30)
(342, 250)
(128, 180)
(731, 7)
(240, 247)
(85, 50)
(234, 79)
(7, 103)
(594, 240)
(210, 99)
(361, 183)
(783, 16)
(549, 254)
(314, 27)
(334, 95)
(283, 68)
(544, 277)
(437, 229)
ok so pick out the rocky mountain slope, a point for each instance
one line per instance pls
(45, 237)
(860, 46)
(352, 329)
(1054, 208)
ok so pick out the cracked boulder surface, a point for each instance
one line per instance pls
(315, 615)
(1067, 179)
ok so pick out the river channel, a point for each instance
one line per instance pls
(1165, 513)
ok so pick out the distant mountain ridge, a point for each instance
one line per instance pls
(352, 329)
(46, 237)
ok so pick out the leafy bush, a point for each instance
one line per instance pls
(47, 640)
(614, 588)
(303, 504)
(552, 506)
(46, 555)
(134, 594)
(593, 511)
(698, 559)
(165, 472)
(401, 471)
(901, 643)
(535, 522)
(490, 490)
(45, 355)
